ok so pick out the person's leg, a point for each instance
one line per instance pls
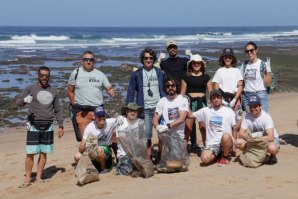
(83, 118)
(193, 136)
(28, 167)
(263, 95)
(203, 132)
(149, 113)
(273, 148)
(245, 98)
(40, 166)
(240, 144)
(226, 144)
(101, 158)
(188, 128)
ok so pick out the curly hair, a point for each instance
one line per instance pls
(150, 51)
(172, 79)
(190, 69)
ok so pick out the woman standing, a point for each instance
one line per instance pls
(257, 76)
(229, 80)
(194, 85)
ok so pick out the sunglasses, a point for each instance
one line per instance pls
(88, 59)
(146, 58)
(249, 51)
(171, 86)
(44, 76)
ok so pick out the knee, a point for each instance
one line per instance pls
(240, 144)
(273, 148)
(226, 138)
(205, 158)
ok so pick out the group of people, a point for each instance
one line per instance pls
(169, 98)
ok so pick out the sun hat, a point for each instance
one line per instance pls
(254, 100)
(196, 58)
(215, 92)
(228, 51)
(171, 43)
(100, 111)
(131, 106)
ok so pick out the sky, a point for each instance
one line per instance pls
(153, 13)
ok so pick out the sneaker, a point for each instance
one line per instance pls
(223, 161)
(104, 171)
(273, 159)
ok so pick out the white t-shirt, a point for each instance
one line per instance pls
(104, 135)
(150, 81)
(217, 122)
(123, 129)
(252, 77)
(260, 124)
(228, 78)
(170, 108)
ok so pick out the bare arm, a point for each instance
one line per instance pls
(183, 87)
(155, 119)
(209, 86)
(270, 135)
(239, 90)
(234, 132)
(82, 146)
(71, 93)
(267, 79)
(216, 85)
(242, 133)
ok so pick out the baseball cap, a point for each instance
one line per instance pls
(100, 111)
(254, 100)
(215, 92)
(227, 51)
(171, 43)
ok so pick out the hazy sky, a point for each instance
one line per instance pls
(136, 13)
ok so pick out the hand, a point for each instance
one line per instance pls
(60, 133)
(28, 99)
(225, 103)
(89, 144)
(161, 56)
(119, 120)
(232, 103)
(188, 52)
(162, 128)
(111, 92)
(268, 65)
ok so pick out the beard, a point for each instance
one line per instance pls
(171, 93)
(43, 83)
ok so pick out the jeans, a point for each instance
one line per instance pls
(149, 113)
(263, 95)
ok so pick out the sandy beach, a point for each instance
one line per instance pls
(233, 181)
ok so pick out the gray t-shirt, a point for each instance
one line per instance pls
(88, 86)
(150, 81)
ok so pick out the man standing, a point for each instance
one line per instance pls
(220, 129)
(43, 107)
(174, 66)
(85, 90)
(260, 124)
(146, 84)
(171, 111)
(102, 131)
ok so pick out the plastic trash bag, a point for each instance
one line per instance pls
(134, 144)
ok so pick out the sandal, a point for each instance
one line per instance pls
(24, 185)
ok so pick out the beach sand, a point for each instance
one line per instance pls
(232, 181)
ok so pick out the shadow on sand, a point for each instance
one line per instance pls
(290, 139)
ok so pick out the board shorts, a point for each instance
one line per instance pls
(40, 140)
(108, 159)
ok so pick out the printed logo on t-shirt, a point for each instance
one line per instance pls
(257, 128)
(93, 80)
(250, 74)
(215, 123)
(173, 113)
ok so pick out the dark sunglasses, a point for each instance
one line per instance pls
(146, 58)
(171, 86)
(88, 59)
(250, 50)
(44, 75)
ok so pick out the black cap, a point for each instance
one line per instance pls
(227, 51)
(215, 92)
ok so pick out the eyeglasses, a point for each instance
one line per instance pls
(146, 58)
(44, 76)
(249, 51)
(88, 59)
(171, 86)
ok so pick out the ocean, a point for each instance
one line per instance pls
(62, 46)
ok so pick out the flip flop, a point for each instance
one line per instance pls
(25, 185)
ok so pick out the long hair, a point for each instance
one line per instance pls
(173, 80)
(150, 51)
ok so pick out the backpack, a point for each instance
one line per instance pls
(262, 71)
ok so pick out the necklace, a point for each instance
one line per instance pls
(150, 93)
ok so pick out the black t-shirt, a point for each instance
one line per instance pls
(174, 67)
(196, 84)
